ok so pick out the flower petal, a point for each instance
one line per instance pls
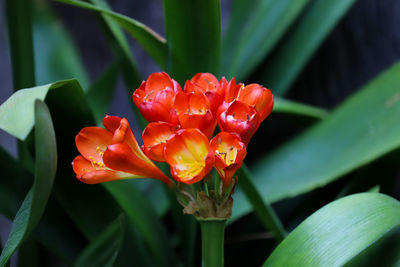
(189, 154)
(120, 157)
(259, 97)
(92, 142)
(154, 136)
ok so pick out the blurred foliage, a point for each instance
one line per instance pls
(340, 151)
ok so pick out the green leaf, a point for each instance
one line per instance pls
(263, 211)
(56, 55)
(45, 169)
(152, 42)
(104, 250)
(268, 21)
(287, 61)
(16, 114)
(140, 212)
(19, 19)
(193, 30)
(282, 105)
(338, 232)
(360, 130)
(100, 94)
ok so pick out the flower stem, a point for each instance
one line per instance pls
(212, 239)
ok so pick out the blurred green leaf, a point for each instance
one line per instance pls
(104, 249)
(19, 19)
(119, 46)
(193, 30)
(340, 231)
(282, 105)
(248, 41)
(140, 212)
(287, 62)
(360, 130)
(16, 114)
(153, 43)
(34, 204)
(100, 94)
(263, 211)
(56, 55)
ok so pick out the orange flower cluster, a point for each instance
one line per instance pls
(180, 132)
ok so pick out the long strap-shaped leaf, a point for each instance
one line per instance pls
(259, 33)
(291, 56)
(103, 251)
(263, 211)
(362, 129)
(193, 30)
(153, 43)
(282, 105)
(20, 34)
(339, 232)
(139, 210)
(34, 204)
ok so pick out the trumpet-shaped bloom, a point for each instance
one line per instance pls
(194, 112)
(258, 97)
(241, 119)
(189, 154)
(229, 154)
(155, 136)
(112, 154)
(155, 98)
(209, 85)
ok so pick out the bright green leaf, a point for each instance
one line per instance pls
(193, 30)
(357, 132)
(34, 204)
(152, 42)
(104, 249)
(268, 21)
(338, 232)
(16, 114)
(290, 57)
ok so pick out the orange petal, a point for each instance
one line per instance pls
(206, 81)
(120, 157)
(259, 97)
(229, 154)
(157, 82)
(189, 154)
(92, 142)
(87, 173)
(154, 136)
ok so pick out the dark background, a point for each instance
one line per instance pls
(365, 42)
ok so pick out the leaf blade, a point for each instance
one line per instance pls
(339, 231)
(45, 168)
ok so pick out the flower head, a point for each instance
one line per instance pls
(189, 154)
(229, 154)
(155, 98)
(112, 154)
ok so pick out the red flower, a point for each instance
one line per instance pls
(194, 112)
(112, 154)
(229, 154)
(155, 98)
(155, 136)
(258, 97)
(240, 118)
(209, 85)
(189, 154)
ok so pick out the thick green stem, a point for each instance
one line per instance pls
(212, 239)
